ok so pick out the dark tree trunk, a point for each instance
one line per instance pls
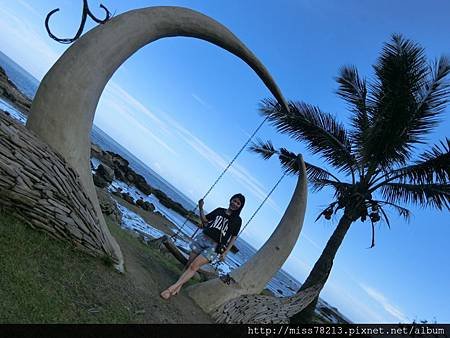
(321, 270)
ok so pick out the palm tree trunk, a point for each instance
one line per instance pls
(321, 270)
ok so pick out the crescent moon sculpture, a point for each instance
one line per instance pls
(62, 112)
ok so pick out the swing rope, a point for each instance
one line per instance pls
(262, 203)
(267, 197)
(216, 262)
(220, 176)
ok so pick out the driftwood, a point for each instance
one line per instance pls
(175, 251)
(207, 271)
(259, 309)
(39, 187)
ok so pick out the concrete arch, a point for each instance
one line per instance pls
(63, 110)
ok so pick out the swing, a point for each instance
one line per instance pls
(168, 242)
(215, 263)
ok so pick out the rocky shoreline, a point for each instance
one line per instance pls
(10, 92)
(115, 167)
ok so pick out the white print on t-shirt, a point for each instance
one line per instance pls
(220, 223)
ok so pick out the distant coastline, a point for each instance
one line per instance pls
(24, 81)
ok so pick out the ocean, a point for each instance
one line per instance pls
(27, 84)
(282, 284)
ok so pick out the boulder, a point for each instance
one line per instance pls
(148, 206)
(99, 181)
(109, 206)
(130, 177)
(140, 202)
(106, 172)
(119, 161)
(118, 173)
(142, 185)
(117, 192)
(126, 196)
(96, 151)
(267, 292)
(10, 92)
(108, 160)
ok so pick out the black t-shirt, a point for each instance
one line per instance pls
(218, 221)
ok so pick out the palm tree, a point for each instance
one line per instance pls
(375, 160)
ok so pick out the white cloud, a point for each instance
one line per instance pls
(297, 266)
(246, 133)
(356, 307)
(29, 8)
(201, 101)
(132, 104)
(312, 242)
(385, 303)
(237, 171)
(121, 102)
(25, 43)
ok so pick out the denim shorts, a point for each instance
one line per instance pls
(205, 246)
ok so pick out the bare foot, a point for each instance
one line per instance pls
(165, 294)
(175, 291)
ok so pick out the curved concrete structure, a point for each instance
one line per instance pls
(63, 110)
(252, 277)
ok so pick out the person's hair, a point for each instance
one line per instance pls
(235, 213)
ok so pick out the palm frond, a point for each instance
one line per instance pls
(288, 160)
(433, 97)
(402, 211)
(322, 133)
(265, 149)
(433, 166)
(407, 97)
(385, 216)
(338, 187)
(317, 173)
(353, 90)
(330, 206)
(425, 195)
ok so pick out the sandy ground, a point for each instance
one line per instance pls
(149, 277)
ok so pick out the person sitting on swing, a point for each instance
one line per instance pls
(220, 230)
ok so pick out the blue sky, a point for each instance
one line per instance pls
(185, 107)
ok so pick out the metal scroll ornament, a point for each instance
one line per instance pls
(86, 12)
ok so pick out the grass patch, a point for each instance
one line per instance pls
(150, 253)
(47, 281)
(43, 280)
